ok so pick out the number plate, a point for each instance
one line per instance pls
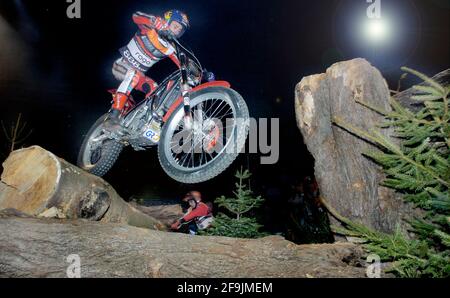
(152, 135)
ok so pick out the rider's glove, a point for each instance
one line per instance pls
(165, 33)
(175, 225)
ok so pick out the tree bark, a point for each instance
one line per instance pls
(37, 182)
(347, 180)
(167, 214)
(32, 247)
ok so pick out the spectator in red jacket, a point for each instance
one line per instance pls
(196, 212)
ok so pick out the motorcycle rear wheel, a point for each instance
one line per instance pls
(98, 159)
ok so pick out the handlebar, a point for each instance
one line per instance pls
(178, 46)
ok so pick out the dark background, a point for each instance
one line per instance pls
(55, 71)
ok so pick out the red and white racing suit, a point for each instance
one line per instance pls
(145, 49)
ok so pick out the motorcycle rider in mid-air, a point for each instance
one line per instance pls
(154, 121)
(149, 45)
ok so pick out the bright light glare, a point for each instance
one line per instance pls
(377, 30)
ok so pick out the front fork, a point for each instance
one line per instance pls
(185, 88)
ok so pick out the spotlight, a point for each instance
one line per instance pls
(376, 30)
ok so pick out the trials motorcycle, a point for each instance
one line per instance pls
(199, 128)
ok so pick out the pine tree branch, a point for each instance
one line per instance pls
(407, 115)
(392, 147)
(333, 211)
(360, 133)
(380, 140)
(425, 78)
(372, 107)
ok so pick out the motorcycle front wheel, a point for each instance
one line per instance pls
(202, 150)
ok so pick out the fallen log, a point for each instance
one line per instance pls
(167, 214)
(38, 183)
(35, 247)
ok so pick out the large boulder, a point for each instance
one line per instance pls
(348, 181)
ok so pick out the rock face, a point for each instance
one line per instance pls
(32, 247)
(348, 181)
(36, 182)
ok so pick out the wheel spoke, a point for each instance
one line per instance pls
(220, 104)
(210, 107)
(226, 114)
(184, 158)
(203, 133)
(213, 115)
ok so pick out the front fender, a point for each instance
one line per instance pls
(199, 87)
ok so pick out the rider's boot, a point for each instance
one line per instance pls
(112, 123)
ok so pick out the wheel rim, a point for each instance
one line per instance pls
(93, 150)
(211, 112)
(96, 155)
